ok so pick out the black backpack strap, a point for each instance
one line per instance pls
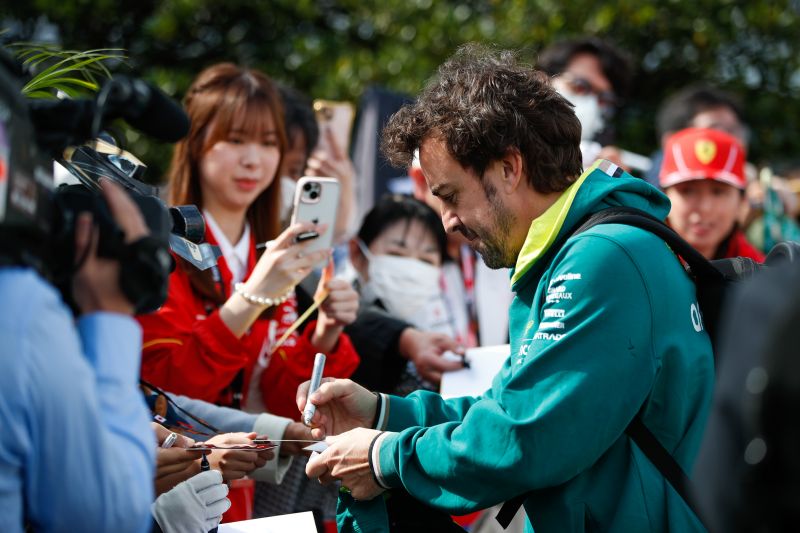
(509, 510)
(702, 270)
(655, 452)
(699, 268)
(662, 460)
(710, 277)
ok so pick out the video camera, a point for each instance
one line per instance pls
(37, 220)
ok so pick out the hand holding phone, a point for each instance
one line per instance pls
(334, 119)
(316, 201)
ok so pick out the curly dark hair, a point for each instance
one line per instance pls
(483, 103)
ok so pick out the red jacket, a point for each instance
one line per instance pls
(738, 245)
(187, 349)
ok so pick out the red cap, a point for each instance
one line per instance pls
(702, 153)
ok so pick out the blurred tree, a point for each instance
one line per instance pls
(334, 49)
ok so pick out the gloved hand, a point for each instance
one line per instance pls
(193, 506)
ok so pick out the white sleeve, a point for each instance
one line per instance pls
(274, 427)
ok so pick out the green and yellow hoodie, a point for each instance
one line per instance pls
(601, 327)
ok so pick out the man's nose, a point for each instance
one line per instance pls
(450, 221)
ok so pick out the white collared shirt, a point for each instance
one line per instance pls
(235, 256)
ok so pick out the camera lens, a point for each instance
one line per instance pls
(314, 195)
(307, 187)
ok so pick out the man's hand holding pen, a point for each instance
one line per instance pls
(341, 405)
(343, 410)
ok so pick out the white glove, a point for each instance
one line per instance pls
(193, 506)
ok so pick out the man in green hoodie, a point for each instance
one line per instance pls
(604, 325)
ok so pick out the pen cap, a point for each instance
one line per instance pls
(316, 372)
(316, 379)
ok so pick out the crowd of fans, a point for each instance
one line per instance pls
(219, 362)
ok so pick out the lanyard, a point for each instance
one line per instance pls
(319, 297)
(181, 427)
(448, 309)
(468, 273)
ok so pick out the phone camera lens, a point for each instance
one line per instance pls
(307, 187)
(314, 195)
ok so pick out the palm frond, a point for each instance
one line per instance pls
(70, 71)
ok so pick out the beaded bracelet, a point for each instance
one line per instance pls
(261, 300)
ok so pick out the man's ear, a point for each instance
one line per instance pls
(513, 174)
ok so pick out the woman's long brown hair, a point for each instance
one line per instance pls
(225, 97)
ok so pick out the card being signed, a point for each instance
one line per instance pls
(318, 447)
(251, 447)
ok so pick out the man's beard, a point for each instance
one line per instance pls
(493, 245)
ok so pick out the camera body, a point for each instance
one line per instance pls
(26, 178)
(37, 220)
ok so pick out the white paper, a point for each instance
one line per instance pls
(485, 362)
(296, 523)
(317, 447)
(492, 292)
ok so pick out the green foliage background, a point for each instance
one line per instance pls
(334, 49)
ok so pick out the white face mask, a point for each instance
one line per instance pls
(288, 185)
(587, 109)
(403, 284)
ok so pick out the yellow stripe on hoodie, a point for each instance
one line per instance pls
(544, 228)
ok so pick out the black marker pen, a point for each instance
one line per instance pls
(205, 467)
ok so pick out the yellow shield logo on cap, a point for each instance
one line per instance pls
(705, 150)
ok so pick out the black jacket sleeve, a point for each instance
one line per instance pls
(375, 335)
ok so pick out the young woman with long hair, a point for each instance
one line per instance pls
(215, 337)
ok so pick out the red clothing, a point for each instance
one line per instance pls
(739, 246)
(189, 350)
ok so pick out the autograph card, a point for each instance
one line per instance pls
(251, 447)
(318, 447)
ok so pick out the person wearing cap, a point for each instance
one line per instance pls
(703, 176)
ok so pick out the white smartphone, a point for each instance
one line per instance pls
(316, 200)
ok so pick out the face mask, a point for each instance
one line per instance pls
(403, 284)
(288, 185)
(587, 109)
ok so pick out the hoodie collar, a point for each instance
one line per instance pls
(545, 228)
